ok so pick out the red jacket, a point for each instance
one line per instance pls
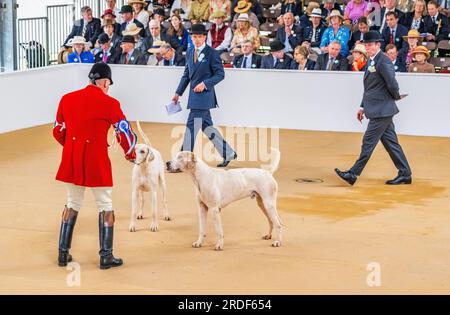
(82, 124)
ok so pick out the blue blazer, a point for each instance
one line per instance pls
(209, 70)
(86, 57)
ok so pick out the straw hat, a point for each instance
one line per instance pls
(131, 2)
(413, 34)
(77, 40)
(242, 7)
(335, 13)
(243, 17)
(156, 46)
(316, 12)
(132, 29)
(421, 50)
(361, 49)
(218, 14)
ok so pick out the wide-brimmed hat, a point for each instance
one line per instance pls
(372, 37)
(106, 22)
(103, 38)
(126, 9)
(243, 17)
(421, 50)
(156, 46)
(198, 29)
(108, 11)
(218, 14)
(316, 12)
(243, 7)
(412, 34)
(335, 13)
(77, 40)
(128, 39)
(276, 45)
(143, 2)
(361, 49)
(132, 29)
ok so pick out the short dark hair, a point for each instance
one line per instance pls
(392, 13)
(389, 47)
(362, 20)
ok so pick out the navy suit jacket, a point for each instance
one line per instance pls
(256, 61)
(399, 42)
(430, 27)
(94, 29)
(178, 61)
(340, 63)
(209, 70)
(400, 15)
(294, 39)
(309, 65)
(267, 62)
(381, 88)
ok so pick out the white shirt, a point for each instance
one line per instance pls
(225, 45)
(248, 64)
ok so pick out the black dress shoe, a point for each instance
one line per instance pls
(400, 180)
(349, 177)
(226, 162)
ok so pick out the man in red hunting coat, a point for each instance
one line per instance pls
(81, 127)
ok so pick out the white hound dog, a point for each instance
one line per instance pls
(217, 188)
(148, 173)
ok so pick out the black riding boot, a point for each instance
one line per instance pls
(106, 231)
(69, 218)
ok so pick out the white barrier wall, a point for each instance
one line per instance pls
(312, 100)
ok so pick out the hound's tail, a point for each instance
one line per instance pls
(142, 133)
(275, 162)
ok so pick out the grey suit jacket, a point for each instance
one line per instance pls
(137, 58)
(380, 88)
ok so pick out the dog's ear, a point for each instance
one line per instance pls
(150, 155)
(192, 160)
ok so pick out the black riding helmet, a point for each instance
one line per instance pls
(100, 70)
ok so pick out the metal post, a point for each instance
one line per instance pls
(8, 19)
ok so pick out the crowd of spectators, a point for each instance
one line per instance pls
(268, 34)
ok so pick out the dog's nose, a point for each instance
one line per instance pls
(168, 165)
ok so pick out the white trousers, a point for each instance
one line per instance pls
(102, 196)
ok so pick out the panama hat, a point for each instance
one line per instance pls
(77, 40)
(335, 13)
(361, 49)
(131, 2)
(316, 12)
(242, 7)
(132, 29)
(156, 46)
(243, 17)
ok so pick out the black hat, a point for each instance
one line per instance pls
(160, 11)
(103, 38)
(100, 70)
(372, 37)
(198, 29)
(128, 39)
(126, 9)
(276, 45)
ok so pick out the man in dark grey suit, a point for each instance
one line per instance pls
(378, 104)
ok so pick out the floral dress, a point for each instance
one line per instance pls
(342, 35)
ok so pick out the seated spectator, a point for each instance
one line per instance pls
(305, 20)
(389, 6)
(109, 29)
(159, 15)
(413, 39)
(244, 7)
(421, 55)
(139, 13)
(171, 57)
(276, 59)
(293, 6)
(356, 9)
(88, 27)
(107, 53)
(111, 5)
(290, 34)
(220, 5)
(199, 11)
(109, 14)
(435, 24)
(336, 32)
(414, 20)
(220, 35)
(329, 6)
(248, 59)
(393, 34)
(178, 34)
(397, 60)
(357, 36)
(444, 7)
(155, 58)
(130, 55)
(255, 8)
(311, 36)
(243, 32)
(127, 17)
(133, 30)
(80, 53)
(359, 54)
(333, 60)
(184, 8)
(154, 27)
(301, 61)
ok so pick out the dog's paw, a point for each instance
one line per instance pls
(267, 237)
(140, 216)
(154, 227)
(219, 245)
(197, 244)
(132, 228)
(167, 218)
(276, 243)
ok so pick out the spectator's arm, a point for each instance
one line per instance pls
(225, 45)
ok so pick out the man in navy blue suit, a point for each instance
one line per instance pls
(394, 33)
(203, 70)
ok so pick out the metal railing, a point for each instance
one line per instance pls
(97, 6)
(60, 22)
(32, 43)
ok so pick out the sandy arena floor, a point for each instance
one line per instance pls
(332, 232)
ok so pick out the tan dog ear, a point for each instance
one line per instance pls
(192, 160)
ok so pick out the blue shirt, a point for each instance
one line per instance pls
(85, 57)
(343, 36)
